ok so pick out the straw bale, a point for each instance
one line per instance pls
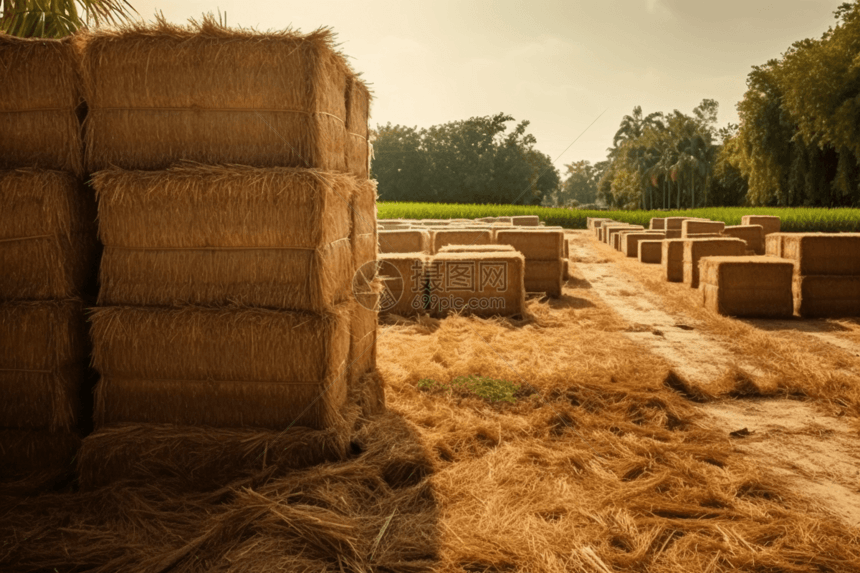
(592, 222)
(504, 220)
(543, 245)
(773, 244)
(565, 274)
(294, 279)
(770, 224)
(695, 249)
(363, 208)
(357, 116)
(480, 284)
(674, 223)
(753, 235)
(697, 227)
(405, 283)
(650, 251)
(630, 241)
(545, 276)
(297, 354)
(49, 400)
(154, 96)
(827, 296)
(25, 452)
(672, 259)
(747, 286)
(411, 241)
(673, 233)
(42, 335)
(477, 249)
(39, 94)
(823, 253)
(525, 221)
(657, 223)
(609, 231)
(566, 253)
(703, 236)
(48, 245)
(460, 237)
(362, 335)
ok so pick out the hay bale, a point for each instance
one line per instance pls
(827, 296)
(36, 455)
(630, 241)
(747, 286)
(609, 231)
(364, 235)
(43, 356)
(39, 95)
(658, 223)
(362, 336)
(404, 283)
(477, 249)
(155, 98)
(769, 224)
(650, 251)
(525, 221)
(441, 238)
(823, 253)
(357, 115)
(675, 223)
(195, 234)
(698, 227)
(545, 277)
(695, 249)
(48, 245)
(221, 367)
(591, 222)
(703, 236)
(673, 233)
(480, 284)
(752, 235)
(773, 244)
(566, 253)
(566, 270)
(543, 245)
(672, 259)
(411, 241)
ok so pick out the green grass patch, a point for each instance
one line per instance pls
(489, 389)
(800, 219)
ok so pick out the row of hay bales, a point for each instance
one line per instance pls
(234, 205)
(481, 267)
(808, 274)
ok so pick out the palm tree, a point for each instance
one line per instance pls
(58, 18)
(632, 127)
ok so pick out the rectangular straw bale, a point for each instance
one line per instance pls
(160, 93)
(543, 245)
(590, 222)
(477, 249)
(658, 223)
(481, 284)
(827, 296)
(773, 244)
(703, 235)
(770, 224)
(673, 233)
(364, 235)
(362, 333)
(286, 356)
(545, 276)
(752, 235)
(674, 223)
(39, 95)
(650, 251)
(747, 286)
(24, 452)
(823, 253)
(630, 241)
(611, 230)
(672, 259)
(357, 116)
(44, 351)
(48, 245)
(411, 241)
(441, 238)
(526, 221)
(566, 270)
(695, 249)
(696, 227)
(504, 220)
(404, 283)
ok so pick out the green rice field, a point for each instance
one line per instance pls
(793, 219)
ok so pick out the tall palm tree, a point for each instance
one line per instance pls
(633, 126)
(58, 18)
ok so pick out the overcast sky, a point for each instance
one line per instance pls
(558, 64)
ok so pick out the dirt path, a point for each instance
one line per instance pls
(814, 452)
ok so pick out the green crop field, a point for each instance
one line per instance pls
(793, 219)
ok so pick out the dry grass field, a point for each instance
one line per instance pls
(620, 427)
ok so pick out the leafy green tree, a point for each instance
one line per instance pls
(58, 18)
(580, 187)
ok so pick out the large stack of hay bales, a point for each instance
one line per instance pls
(234, 205)
(47, 259)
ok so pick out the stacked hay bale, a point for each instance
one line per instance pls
(696, 249)
(544, 257)
(747, 286)
(48, 254)
(227, 282)
(630, 241)
(826, 271)
(752, 235)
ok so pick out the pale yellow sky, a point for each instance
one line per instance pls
(558, 64)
